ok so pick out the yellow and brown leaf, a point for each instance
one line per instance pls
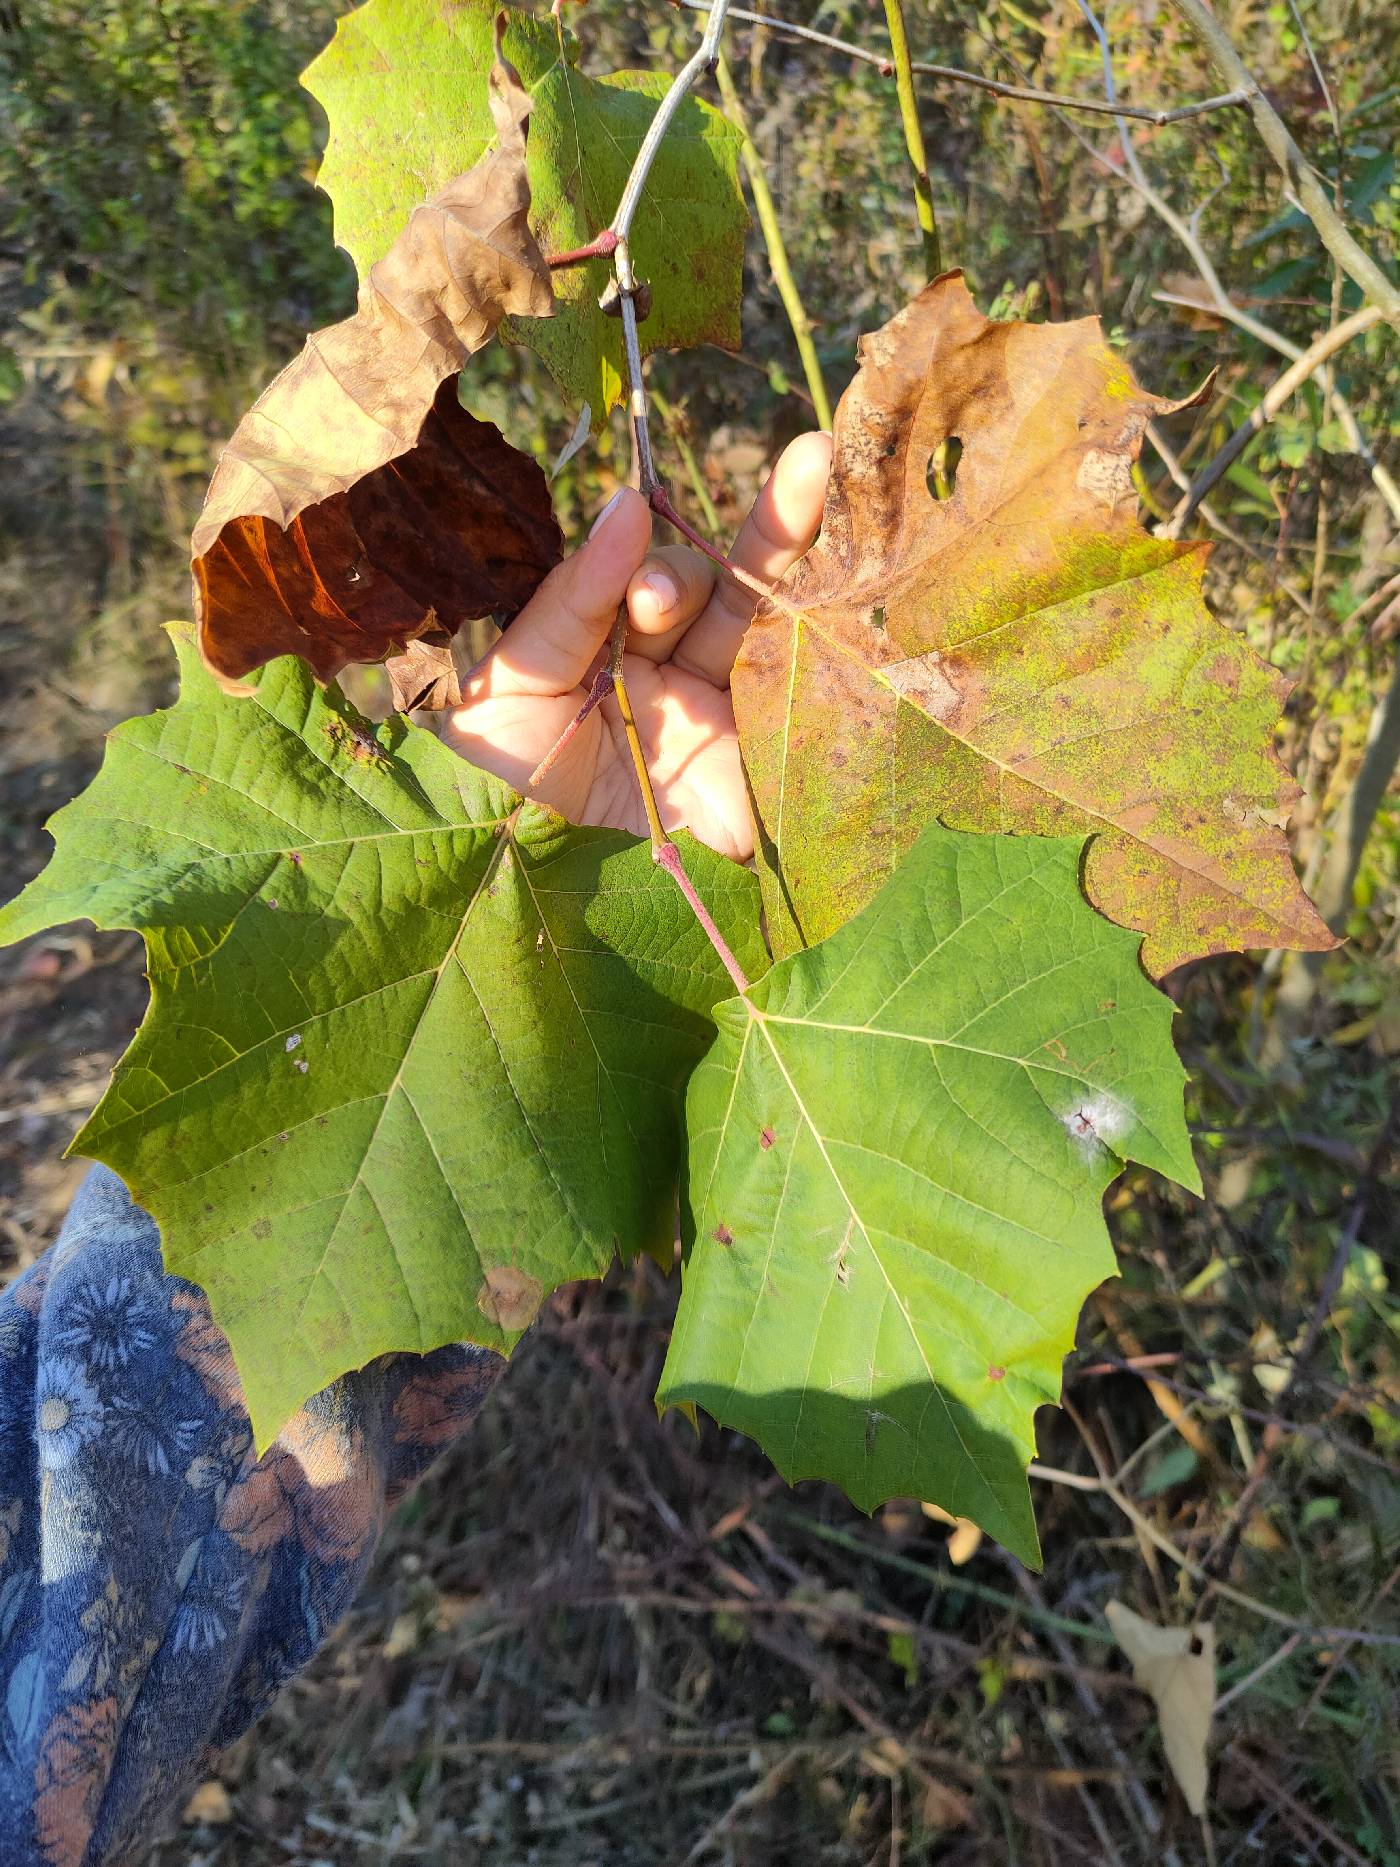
(1019, 656)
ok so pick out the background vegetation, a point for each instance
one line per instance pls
(593, 1637)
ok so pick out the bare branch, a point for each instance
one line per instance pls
(1221, 304)
(1278, 392)
(1302, 178)
(1016, 93)
(1356, 815)
(1295, 595)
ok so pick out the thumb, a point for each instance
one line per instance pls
(552, 643)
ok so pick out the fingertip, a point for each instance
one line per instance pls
(619, 534)
(787, 514)
(653, 599)
(799, 482)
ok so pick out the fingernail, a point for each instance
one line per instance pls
(662, 588)
(606, 513)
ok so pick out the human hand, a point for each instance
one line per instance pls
(686, 620)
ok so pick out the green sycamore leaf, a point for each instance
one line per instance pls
(416, 1050)
(898, 1147)
(403, 84)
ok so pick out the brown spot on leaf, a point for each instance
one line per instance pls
(509, 1297)
(923, 680)
(994, 1373)
(261, 1228)
(766, 1138)
(722, 1235)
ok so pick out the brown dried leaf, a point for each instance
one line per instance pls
(1017, 657)
(424, 675)
(1177, 1666)
(359, 507)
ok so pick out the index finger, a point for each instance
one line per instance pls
(549, 648)
(783, 524)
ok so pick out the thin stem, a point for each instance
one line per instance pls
(1298, 372)
(648, 481)
(1302, 178)
(1015, 93)
(675, 428)
(913, 135)
(1197, 1571)
(597, 693)
(616, 647)
(702, 61)
(660, 502)
(600, 248)
(772, 231)
(1223, 306)
(668, 857)
(664, 852)
(1187, 232)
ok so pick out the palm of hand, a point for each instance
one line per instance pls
(684, 633)
(686, 728)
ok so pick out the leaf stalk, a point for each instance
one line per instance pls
(614, 240)
(597, 693)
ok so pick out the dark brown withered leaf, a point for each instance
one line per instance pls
(359, 508)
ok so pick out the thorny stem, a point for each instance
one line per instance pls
(1016, 93)
(913, 135)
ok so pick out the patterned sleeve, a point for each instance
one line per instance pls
(158, 1583)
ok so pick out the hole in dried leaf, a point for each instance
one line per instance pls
(943, 467)
(877, 616)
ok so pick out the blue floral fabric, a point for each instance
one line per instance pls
(158, 1583)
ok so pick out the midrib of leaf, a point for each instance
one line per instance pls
(603, 1071)
(761, 1019)
(503, 842)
